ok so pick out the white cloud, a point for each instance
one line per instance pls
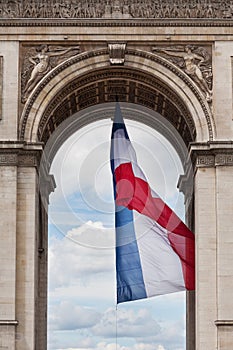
(70, 262)
(114, 346)
(67, 316)
(94, 235)
(81, 272)
(129, 323)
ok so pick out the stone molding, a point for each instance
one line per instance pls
(116, 9)
(20, 154)
(224, 323)
(9, 323)
(101, 86)
(212, 154)
(129, 51)
(153, 23)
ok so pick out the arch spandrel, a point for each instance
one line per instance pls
(146, 79)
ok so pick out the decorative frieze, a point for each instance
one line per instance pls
(224, 159)
(19, 155)
(8, 159)
(28, 159)
(205, 161)
(212, 154)
(123, 9)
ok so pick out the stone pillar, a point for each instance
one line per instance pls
(224, 188)
(27, 254)
(185, 186)
(205, 233)
(214, 243)
(8, 202)
(32, 251)
(46, 186)
(23, 251)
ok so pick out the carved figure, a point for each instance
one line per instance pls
(41, 62)
(116, 9)
(192, 62)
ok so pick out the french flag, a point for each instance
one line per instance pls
(155, 250)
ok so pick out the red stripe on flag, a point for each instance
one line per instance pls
(135, 194)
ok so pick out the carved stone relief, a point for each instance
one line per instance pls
(38, 61)
(117, 53)
(123, 9)
(103, 85)
(11, 157)
(194, 60)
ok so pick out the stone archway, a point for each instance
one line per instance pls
(125, 41)
(89, 80)
(89, 76)
(78, 86)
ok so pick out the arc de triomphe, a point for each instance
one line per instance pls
(61, 59)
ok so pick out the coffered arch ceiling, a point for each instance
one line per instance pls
(130, 85)
(88, 79)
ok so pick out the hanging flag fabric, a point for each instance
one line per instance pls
(155, 251)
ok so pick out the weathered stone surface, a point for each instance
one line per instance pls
(116, 9)
(144, 72)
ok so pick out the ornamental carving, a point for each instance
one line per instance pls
(38, 61)
(205, 161)
(224, 159)
(123, 9)
(8, 159)
(12, 157)
(102, 86)
(117, 53)
(195, 61)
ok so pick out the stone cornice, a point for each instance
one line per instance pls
(224, 323)
(29, 22)
(20, 154)
(212, 154)
(9, 323)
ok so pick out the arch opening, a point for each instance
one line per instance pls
(75, 236)
(59, 110)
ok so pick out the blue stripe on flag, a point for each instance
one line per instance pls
(117, 126)
(130, 283)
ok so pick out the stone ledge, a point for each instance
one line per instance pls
(112, 22)
(14, 153)
(9, 323)
(211, 154)
(223, 323)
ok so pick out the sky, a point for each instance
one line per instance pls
(82, 311)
